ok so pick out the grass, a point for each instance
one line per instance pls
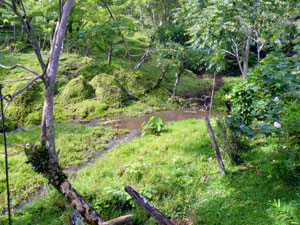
(178, 173)
(77, 145)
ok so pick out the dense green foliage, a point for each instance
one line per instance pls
(183, 43)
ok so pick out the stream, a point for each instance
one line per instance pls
(133, 124)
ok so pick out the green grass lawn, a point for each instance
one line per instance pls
(76, 143)
(178, 173)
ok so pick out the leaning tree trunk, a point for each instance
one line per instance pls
(160, 78)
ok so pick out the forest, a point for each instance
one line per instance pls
(170, 112)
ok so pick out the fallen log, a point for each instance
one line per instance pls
(149, 208)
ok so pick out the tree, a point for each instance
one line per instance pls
(230, 27)
(44, 158)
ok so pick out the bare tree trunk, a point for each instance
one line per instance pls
(15, 33)
(147, 54)
(45, 41)
(160, 78)
(215, 146)
(22, 36)
(212, 94)
(110, 51)
(246, 58)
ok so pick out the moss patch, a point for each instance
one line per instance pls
(109, 90)
(77, 90)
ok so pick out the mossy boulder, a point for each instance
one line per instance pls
(30, 100)
(134, 81)
(109, 90)
(93, 69)
(9, 125)
(77, 90)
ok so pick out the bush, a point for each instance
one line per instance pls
(76, 90)
(229, 142)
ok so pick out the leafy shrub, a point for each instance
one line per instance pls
(258, 103)
(152, 126)
(76, 90)
(230, 142)
(268, 103)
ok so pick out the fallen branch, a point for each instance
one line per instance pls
(119, 220)
(154, 212)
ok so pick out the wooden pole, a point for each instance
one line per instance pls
(149, 208)
(215, 146)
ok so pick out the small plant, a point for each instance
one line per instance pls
(152, 126)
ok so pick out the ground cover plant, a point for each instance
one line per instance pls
(177, 172)
(79, 143)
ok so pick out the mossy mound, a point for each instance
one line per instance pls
(89, 109)
(109, 90)
(29, 101)
(133, 81)
(77, 90)
(9, 125)
(93, 69)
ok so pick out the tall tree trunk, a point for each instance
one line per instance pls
(246, 58)
(110, 51)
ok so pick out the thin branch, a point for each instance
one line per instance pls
(22, 79)
(21, 66)
(20, 91)
(30, 31)
(228, 52)
(5, 3)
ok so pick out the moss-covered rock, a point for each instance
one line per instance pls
(109, 90)
(77, 90)
(89, 109)
(134, 81)
(9, 125)
(31, 100)
(93, 69)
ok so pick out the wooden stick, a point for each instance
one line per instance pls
(215, 146)
(149, 208)
(119, 220)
